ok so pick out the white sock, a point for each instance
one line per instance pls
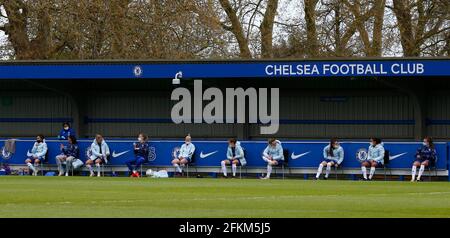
(328, 170)
(422, 168)
(98, 169)
(364, 171)
(269, 170)
(90, 168)
(58, 163)
(372, 172)
(31, 167)
(178, 168)
(60, 166)
(413, 172)
(68, 165)
(224, 168)
(233, 167)
(319, 170)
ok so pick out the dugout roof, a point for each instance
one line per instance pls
(229, 69)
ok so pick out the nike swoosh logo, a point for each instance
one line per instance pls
(114, 155)
(206, 155)
(396, 156)
(293, 156)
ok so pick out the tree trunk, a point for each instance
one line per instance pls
(236, 29)
(41, 46)
(377, 35)
(371, 48)
(266, 29)
(407, 39)
(118, 18)
(311, 32)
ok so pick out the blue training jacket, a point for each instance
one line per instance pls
(71, 150)
(426, 153)
(63, 134)
(141, 150)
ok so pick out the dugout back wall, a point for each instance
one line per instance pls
(310, 107)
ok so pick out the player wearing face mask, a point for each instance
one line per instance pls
(37, 154)
(66, 131)
(184, 155)
(424, 156)
(141, 150)
(375, 158)
(333, 155)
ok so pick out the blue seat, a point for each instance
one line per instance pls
(191, 163)
(285, 163)
(432, 166)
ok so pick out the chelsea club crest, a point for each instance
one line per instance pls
(151, 153)
(137, 71)
(6, 154)
(361, 155)
(176, 152)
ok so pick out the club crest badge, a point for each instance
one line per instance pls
(151, 153)
(176, 152)
(6, 155)
(361, 155)
(137, 71)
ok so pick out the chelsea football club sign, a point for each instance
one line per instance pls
(343, 69)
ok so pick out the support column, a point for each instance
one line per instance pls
(80, 114)
(420, 114)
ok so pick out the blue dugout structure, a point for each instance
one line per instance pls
(75, 81)
(402, 153)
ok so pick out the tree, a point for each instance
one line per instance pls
(419, 21)
(265, 27)
(190, 29)
(236, 29)
(37, 44)
(376, 10)
(311, 30)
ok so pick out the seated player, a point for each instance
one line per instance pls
(37, 154)
(69, 154)
(424, 156)
(273, 155)
(66, 131)
(184, 155)
(235, 157)
(99, 155)
(375, 158)
(141, 150)
(333, 155)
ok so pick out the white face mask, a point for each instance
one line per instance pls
(187, 142)
(140, 139)
(66, 128)
(424, 143)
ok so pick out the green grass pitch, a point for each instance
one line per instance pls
(202, 197)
